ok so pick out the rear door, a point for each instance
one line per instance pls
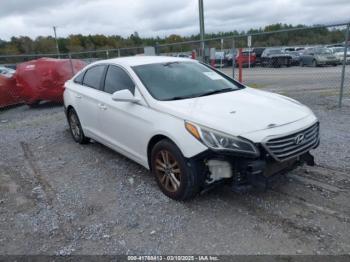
(88, 95)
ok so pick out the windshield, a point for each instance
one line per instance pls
(275, 51)
(181, 80)
(338, 49)
(323, 51)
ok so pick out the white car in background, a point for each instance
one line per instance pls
(338, 52)
(191, 125)
(7, 72)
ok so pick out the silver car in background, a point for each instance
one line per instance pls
(318, 56)
(338, 51)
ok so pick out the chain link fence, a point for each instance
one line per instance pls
(305, 60)
(293, 62)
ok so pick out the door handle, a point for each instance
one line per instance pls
(78, 96)
(102, 106)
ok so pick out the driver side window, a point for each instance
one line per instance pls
(117, 79)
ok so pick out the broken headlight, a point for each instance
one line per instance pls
(219, 141)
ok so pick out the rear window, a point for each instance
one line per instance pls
(79, 78)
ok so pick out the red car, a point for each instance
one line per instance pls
(43, 79)
(246, 58)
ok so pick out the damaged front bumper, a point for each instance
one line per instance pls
(241, 172)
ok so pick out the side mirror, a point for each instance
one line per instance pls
(124, 96)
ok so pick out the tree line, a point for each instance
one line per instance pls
(79, 43)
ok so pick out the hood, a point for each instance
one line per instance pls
(237, 112)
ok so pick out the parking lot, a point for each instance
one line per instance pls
(58, 197)
(294, 79)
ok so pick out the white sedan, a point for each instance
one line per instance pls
(7, 72)
(191, 125)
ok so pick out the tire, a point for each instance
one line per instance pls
(174, 177)
(34, 104)
(275, 63)
(75, 127)
(314, 63)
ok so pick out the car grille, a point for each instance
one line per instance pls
(290, 146)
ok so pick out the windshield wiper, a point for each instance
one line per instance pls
(224, 90)
(178, 98)
(170, 63)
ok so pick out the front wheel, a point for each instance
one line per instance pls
(75, 127)
(174, 178)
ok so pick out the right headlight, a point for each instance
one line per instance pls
(217, 140)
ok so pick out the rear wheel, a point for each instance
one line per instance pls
(175, 179)
(275, 63)
(75, 128)
(34, 104)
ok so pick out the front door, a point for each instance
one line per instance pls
(123, 123)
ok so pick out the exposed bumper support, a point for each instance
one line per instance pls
(261, 174)
(245, 173)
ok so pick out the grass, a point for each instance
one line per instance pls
(256, 85)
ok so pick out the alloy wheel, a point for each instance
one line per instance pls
(168, 171)
(74, 125)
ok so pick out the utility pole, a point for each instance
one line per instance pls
(58, 50)
(201, 27)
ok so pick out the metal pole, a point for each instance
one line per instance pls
(222, 46)
(71, 64)
(344, 65)
(240, 76)
(157, 48)
(249, 45)
(233, 58)
(201, 27)
(249, 58)
(118, 52)
(58, 50)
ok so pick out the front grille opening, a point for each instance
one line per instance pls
(289, 146)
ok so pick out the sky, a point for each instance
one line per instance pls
(151, 18)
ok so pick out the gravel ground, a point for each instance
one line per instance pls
(58, 197)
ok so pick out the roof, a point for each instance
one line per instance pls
(143, 60)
